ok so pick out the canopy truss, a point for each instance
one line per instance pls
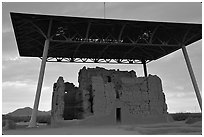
(77, 39)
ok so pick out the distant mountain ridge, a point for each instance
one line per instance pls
(27, 111)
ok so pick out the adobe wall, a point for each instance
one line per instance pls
(88, 83)
(136, 96)
(102, 91)
(66, 101)
(73, 107)
(58, 100)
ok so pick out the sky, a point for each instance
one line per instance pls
(20, 74)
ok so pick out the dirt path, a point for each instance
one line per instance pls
(174, 128)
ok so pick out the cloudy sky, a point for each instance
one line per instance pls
(20, 74)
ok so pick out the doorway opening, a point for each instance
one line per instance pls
(118, 115)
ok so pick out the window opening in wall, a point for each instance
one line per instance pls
(117, 94)
(109, 78)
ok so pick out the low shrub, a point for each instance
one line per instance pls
(185, 116)
(44, 119)
(3, 123)
(9, 124)
(192, 120)
(180, 116)
(40, 119)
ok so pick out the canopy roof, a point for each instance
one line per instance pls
(99, 40)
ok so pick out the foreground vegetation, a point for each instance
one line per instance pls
(185, 116)
(40, 119)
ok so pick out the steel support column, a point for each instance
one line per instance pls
(145, 67)
(193, 79)
(39, 86)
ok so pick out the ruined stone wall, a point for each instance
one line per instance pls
(143, 95)
(105, 90)
(73, 108)
(58, 100)
(66, 101)
(89, 84)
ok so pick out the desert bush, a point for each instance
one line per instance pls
(44, 119)
(40, 119)
(180, 116)
(16, 118)
(191, 120)
(185, 116)
(9, 124)
(3, 123)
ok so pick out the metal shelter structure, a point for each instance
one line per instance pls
(93, 40)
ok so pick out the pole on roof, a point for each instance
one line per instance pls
(193, 79)
(104, 10)
(40, 79)
(39, 86)
(145, 67)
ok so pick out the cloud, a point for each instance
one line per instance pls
(13, 84)
(16, 69)
(16, 94)
(9, 46)
(85, 9)
(15, 59)
(183, 104)
(190, 12)
(157, 11)
(6, 29)
(179, 87)
(20, 86)
(172, 94)
(181, 100)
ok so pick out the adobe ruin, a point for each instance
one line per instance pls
(109, 96)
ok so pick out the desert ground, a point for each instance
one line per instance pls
(172, 128)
